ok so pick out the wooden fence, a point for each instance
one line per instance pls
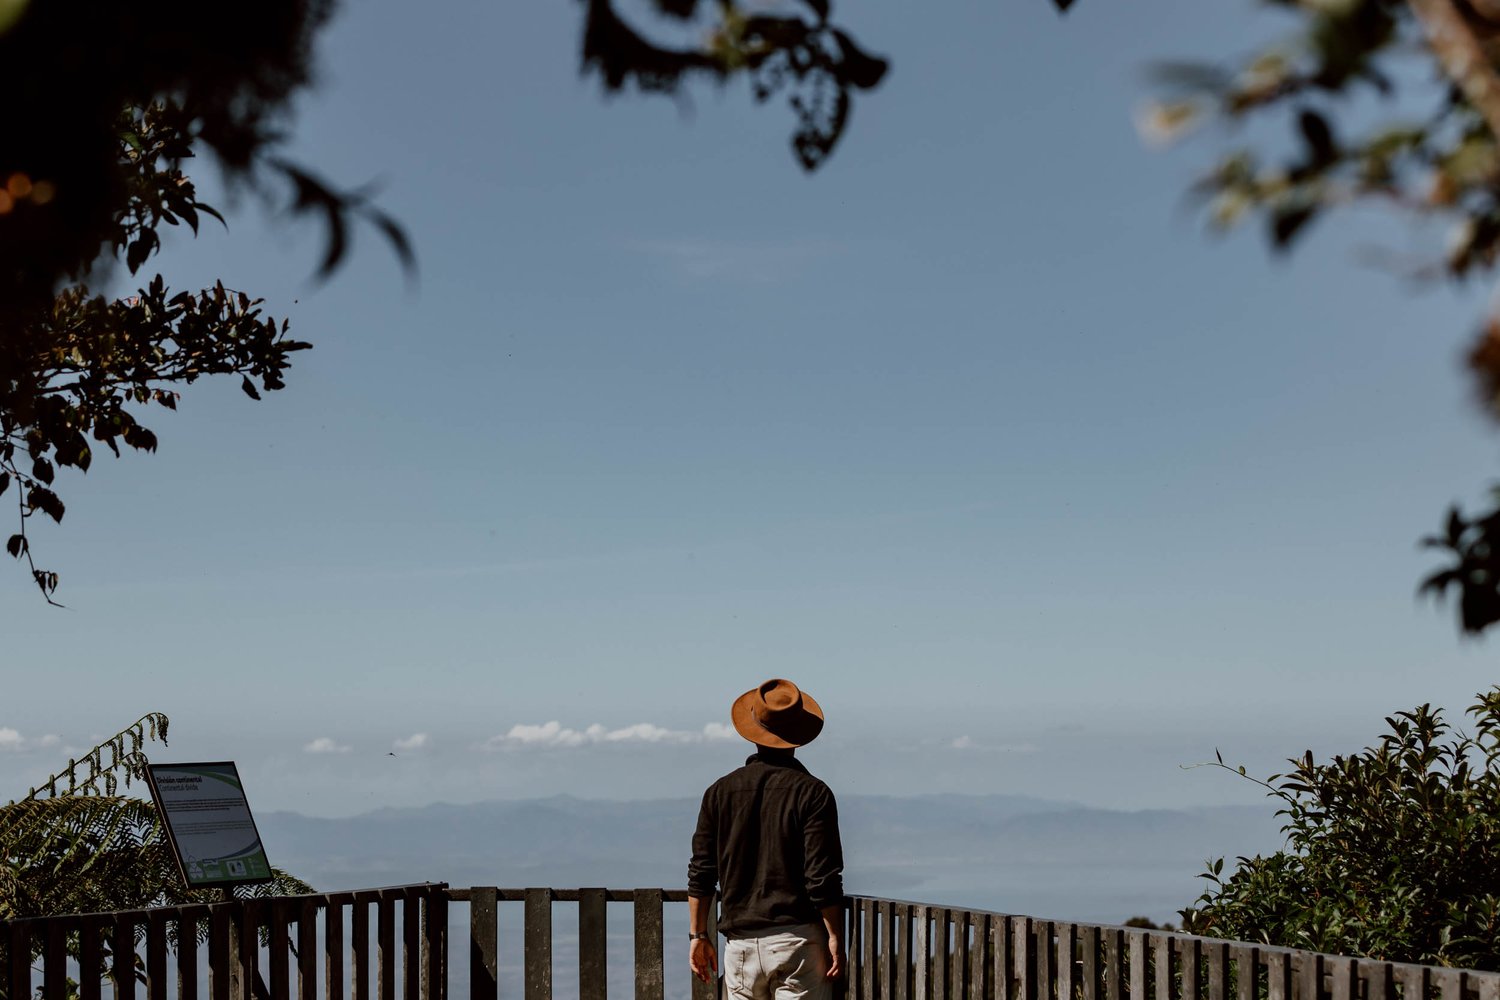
(393, 944)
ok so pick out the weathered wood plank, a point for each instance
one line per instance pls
(279, 951)
(1378, 985)
(307, 951)
(1191, 974)
(1449, 983)
(593, 967)
(55, 962)
(484, 944)
(979, 958)
(1246, 971)
(958, 969)
(220, 953)
(1216, 959)
(385, 946)
(869, 947)
(359, 949)
(1278, 976)
(921, 951)
(18, 956)
(538, 932)
(942, 928)
(902, 958)
(649, 981)
(1343, 979)
(333, 951)
(187, 957)
(122, 958)
(411, 944)
(1003, 961)
(1091, 973)
(1310, 976)
(434, 945)
(90, 959)
(1135, 955)
(249, 915)
(1067, 945)
(1025, 955)
(1162, 949)
(1046, 976)
(1113, 941)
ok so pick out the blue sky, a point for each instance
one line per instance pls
(976, 434)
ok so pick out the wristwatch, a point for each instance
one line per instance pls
(700, 936)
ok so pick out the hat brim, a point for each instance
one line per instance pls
(796, 730)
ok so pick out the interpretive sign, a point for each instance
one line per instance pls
(209, 824)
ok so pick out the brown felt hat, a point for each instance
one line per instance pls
(777, 714)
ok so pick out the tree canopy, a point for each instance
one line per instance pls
(1392, 852)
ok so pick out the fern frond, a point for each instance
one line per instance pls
(127, 762)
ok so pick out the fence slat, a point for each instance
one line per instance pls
(593, 908)
(1025, 958)
(1278, 976)
(938, 973)
(122, 958)
(484, 943)
(1246, 971)
(307, 951)
(1067, 944)
(1045, 958)
(411, 944)
(649, 982)
(1191, 977)
(1217, 962)
(1090, 971)
(1310, 978)
(903, 953)
(1135, 953)
(90, 959)
(538, 970)
(921, 949)
(220, 973)
(958, 970)
(869, 948)
(247, 943)
(18, 954)
(359, 939)
(1162, 946)
(187, 957)
(434, 944)
(385, 946)
(1113, 940)
(1002, 960)
(55, 969)
(333, 950)
(979, 958)
(1377, 977)
(1449, 982)
(279, 951)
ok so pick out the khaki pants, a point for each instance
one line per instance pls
(788, 963)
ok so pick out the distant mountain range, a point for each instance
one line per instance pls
(1012, 853)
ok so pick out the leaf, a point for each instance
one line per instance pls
(46, 501)
(1062, 5)
(16, 545)
(249, 387)
(859, 69)
(1319, 137)
(42, 470)
(820, 8)
(1286, 223)
(4, 481)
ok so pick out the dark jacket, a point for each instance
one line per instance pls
(768, 840)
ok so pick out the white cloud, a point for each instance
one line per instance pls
(968, 743)
(416, 741)
(555, 734)
(962, 743)
(11, 741)
(325, 744)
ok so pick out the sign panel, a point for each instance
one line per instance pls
(209, 824)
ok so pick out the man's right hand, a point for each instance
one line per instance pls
(835, 958)
(704, 959)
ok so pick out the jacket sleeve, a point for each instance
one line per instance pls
(823, 851)
(703, 867)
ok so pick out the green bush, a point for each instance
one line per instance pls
(1392, 853)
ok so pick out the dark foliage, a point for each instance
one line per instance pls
(1392, 853)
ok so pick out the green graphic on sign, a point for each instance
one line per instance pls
(209, 824)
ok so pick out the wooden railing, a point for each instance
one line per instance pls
(393, 944)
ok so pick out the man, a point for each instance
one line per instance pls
(768, 840)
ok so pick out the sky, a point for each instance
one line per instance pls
(976, 434)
